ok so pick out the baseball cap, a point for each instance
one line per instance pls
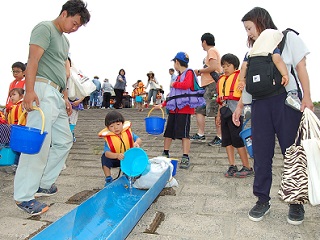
(182, 56)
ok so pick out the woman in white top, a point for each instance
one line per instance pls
(154, 86)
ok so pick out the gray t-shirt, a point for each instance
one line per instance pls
(52, 64)
(120, 84)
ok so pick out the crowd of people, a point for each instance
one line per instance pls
(219, 94)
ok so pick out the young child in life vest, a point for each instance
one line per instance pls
(18, 72)
(183, 98)
(228, 97)
(139, 93)
(118, 139)
(15, 112)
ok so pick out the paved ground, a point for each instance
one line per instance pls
(206, 205)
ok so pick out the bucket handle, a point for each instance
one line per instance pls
(153, 109)
(41, 113)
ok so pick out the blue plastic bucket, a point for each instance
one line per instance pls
(27, 139)
(72, 126)
(245, 134)
(138, 99)
(175, 166)
(7, 156)
(135, 162)
(154, 124)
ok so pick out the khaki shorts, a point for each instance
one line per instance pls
(211, 107)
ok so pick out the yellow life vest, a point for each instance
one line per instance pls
(15, 113)
(227, 87)
(118, 143)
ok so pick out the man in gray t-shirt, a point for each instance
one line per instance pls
(46, 76)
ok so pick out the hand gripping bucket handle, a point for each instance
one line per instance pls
(245, 134)
(155, 125)
(27, 139)
(42, 117)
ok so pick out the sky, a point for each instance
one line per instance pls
(145, 35)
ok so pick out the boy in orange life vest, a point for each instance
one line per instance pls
(228, 97)
(18, 71)
(118, 139)
(16, 97)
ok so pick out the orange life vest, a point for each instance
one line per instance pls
(140, 90)
(116, 143)
(3, 118)
(227, 87)
(15, 113)
(13, 84)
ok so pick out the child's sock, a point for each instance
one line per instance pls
(185, 155)
(166, 152)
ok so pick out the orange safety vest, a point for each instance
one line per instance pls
(3, 118)
(138, 91)
(15, 113)
(13, 84)
(227, 87)
(116, 143)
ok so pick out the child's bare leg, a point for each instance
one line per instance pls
(186, 145)
(167, 143)
(106, 171)
(218, 128)
(230, 153)
(244, 157)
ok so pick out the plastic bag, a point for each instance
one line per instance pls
(79, 86)
(311, 145)
(158, 166)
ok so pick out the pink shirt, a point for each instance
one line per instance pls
(211, 54)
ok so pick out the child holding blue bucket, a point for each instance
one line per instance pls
(118, 139)
(185, 95)
(228, 97)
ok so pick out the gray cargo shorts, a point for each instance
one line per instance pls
(211, 107)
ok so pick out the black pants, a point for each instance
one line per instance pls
(270, 117)
(119, 95)
(106, 99)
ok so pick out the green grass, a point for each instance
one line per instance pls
(316, 104)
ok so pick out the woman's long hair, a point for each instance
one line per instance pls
(261, 19)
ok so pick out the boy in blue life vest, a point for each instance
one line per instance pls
(228, 97)
(118, 139)
(185, 95)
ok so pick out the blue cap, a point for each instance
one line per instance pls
(182, 56)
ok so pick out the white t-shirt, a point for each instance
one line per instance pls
(293, 52)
